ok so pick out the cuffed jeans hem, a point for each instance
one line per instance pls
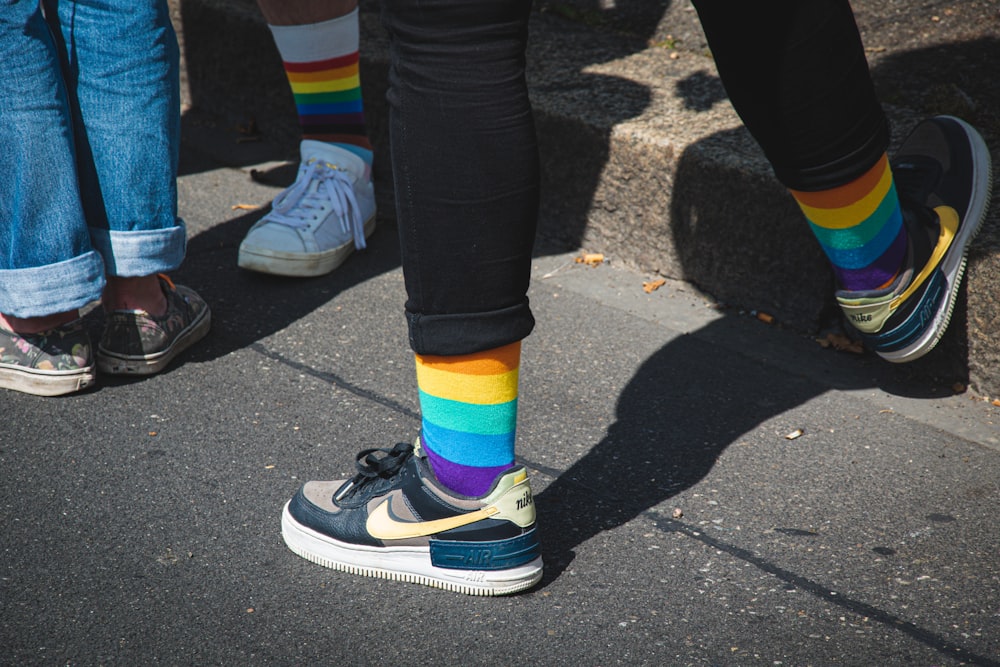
(839, 172)
(140, 253)
(55, 288)
(466, 333)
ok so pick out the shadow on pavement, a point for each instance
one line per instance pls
(664, 441)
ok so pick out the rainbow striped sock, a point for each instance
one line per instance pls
(321, 62)
(860, 228)
(469, 408)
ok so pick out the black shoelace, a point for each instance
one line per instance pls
(372, 467)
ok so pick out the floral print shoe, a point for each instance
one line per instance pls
(51, 363)
(137, 343)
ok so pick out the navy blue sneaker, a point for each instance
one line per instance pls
(942, 175)
(395, 521)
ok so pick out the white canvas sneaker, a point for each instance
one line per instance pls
(317, 222)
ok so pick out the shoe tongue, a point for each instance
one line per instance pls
(915, 177)
(332, 154)
(422, 463)
(923, 229)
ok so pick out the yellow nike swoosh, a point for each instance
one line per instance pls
(381, 525)
(949, 227)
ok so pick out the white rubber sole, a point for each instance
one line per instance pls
(45, 383)
(297, 264)
(410, 564)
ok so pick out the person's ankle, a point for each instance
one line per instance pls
(140, 293)
(34, 325)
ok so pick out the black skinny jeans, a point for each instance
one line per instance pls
(465, 160)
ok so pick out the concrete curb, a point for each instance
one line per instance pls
(643, 160)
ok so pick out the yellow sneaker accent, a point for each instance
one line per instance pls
(382, 526)
(948, 218)
(511, 500)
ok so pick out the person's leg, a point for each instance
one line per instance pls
(468, 405)
(455, 511)
(318, 44)
(121, 64)
(796, 74)
(330, 210)
(48, 270)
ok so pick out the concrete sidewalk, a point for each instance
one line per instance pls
(644, 159)
(682, 522)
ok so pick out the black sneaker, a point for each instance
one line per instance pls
(51, 363)
(393, 520)
(942, 175)
(137, 343)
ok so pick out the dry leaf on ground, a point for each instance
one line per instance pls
(653, 285)
(841, 342)
(244, 207)
(590, 258)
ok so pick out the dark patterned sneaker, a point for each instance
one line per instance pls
(393, 520)
(942, 174)
(51, 363)
(137, 343)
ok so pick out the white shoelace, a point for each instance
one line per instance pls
(302, 204)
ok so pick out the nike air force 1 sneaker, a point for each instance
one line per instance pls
(942, 175)
(395, 521)
(315, 224)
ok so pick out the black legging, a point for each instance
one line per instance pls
(796, 73)
(464, 153)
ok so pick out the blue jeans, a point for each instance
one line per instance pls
(89, 137)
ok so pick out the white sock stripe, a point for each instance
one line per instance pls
(317, 41)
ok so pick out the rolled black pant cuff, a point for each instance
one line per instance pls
(466, 333)
(838, 172)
